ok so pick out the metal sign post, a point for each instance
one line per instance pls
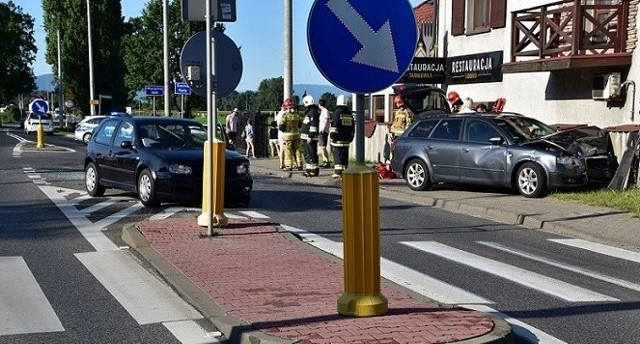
(361, 48)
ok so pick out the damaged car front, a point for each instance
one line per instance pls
(586, 148)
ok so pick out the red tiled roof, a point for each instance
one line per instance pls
(425, 12)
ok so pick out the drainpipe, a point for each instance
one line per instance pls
(625, 85)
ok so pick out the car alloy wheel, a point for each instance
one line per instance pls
(86, 138)
(532, 180)
(417, 175)
(146, 189)
(91, 181)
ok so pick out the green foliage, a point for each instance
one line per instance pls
(628, 200)
(144, 52)
(270, 94)
(107, 31)
(330, 100)
(18, 52)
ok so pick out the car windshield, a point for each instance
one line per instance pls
(172, 135)
(524, 128)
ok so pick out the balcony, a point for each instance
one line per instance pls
(570, 35)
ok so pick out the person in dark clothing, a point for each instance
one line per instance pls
(274, 143)
(341, 132)
(309, 135)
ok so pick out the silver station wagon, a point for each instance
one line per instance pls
(501, 150)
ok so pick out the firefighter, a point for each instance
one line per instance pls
(341, 132)
(402, 117)
(309, 135)
(289, 125)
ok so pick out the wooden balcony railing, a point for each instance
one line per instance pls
(569, 34)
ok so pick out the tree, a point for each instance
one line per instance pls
(107, 30)
(330, 100)
(18, 52)
(144, 51)
(270, 94)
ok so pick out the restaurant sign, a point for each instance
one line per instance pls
(476, 68)
(425, 70)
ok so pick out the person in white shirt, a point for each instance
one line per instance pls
(231, 126)
(323, 140)
(467, 106)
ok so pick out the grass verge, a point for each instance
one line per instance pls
(628, 200)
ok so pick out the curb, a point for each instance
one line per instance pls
(234, 329)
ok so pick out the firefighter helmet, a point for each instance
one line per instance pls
(308, 100)
(287, 104)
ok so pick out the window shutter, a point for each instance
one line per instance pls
(457, 17)
(498, 14)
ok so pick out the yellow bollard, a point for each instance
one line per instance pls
(218, 219)
(361, 236)
(40, 136)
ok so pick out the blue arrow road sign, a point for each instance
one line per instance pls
(39, 106)
(182, 88)
(154, 90)
(362, 46)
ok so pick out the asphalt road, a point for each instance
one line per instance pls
(546, 288)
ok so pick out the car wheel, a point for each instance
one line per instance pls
(531, 180)
(91, 181)
(86, 137)
(146, 189)
(417, 175)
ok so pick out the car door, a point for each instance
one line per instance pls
(481, 161)
(100, 149)
(444, 148)
(124, 155)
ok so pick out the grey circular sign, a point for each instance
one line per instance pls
(227, 60)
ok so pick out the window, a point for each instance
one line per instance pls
(480, 131)
(478, 18)
(448, 129)
(423, 128)
(125, 133)
(105, 134)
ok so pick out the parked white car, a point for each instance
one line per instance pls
(84, 129)
(32, 121)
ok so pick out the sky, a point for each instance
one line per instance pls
(257, 31)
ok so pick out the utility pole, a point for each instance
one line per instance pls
(165, 35)
(91, 81)
(288, 52)
(61, 94)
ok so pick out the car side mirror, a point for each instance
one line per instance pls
(496, 140)
(126, 145)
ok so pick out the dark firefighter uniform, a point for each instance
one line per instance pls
(341, 132)
(309, 135)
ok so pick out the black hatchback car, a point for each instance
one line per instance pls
(159, 158)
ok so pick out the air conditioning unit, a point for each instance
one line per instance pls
(606, 86)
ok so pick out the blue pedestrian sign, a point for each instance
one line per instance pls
(182, 88)
(154, 90)
(39, 106)
(362, 46)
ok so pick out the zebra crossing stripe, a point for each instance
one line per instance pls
(146, 298)
(25, 308)
(189, 332)
(411, 279)
(529, 279)
(572, 268)
(600, 248)
(254, 214)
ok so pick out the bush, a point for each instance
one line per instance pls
(11, 114)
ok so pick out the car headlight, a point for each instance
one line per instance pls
(242, 168)
(180, 169)
(568, 160)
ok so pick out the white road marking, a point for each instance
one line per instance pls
(520, 329)
(572, 268)
(600, 248)
(23, 306)
(189, 332)
(411, 279)
(529, 279)
(255, 214)
(141, 294)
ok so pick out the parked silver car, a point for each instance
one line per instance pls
(502, 150)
